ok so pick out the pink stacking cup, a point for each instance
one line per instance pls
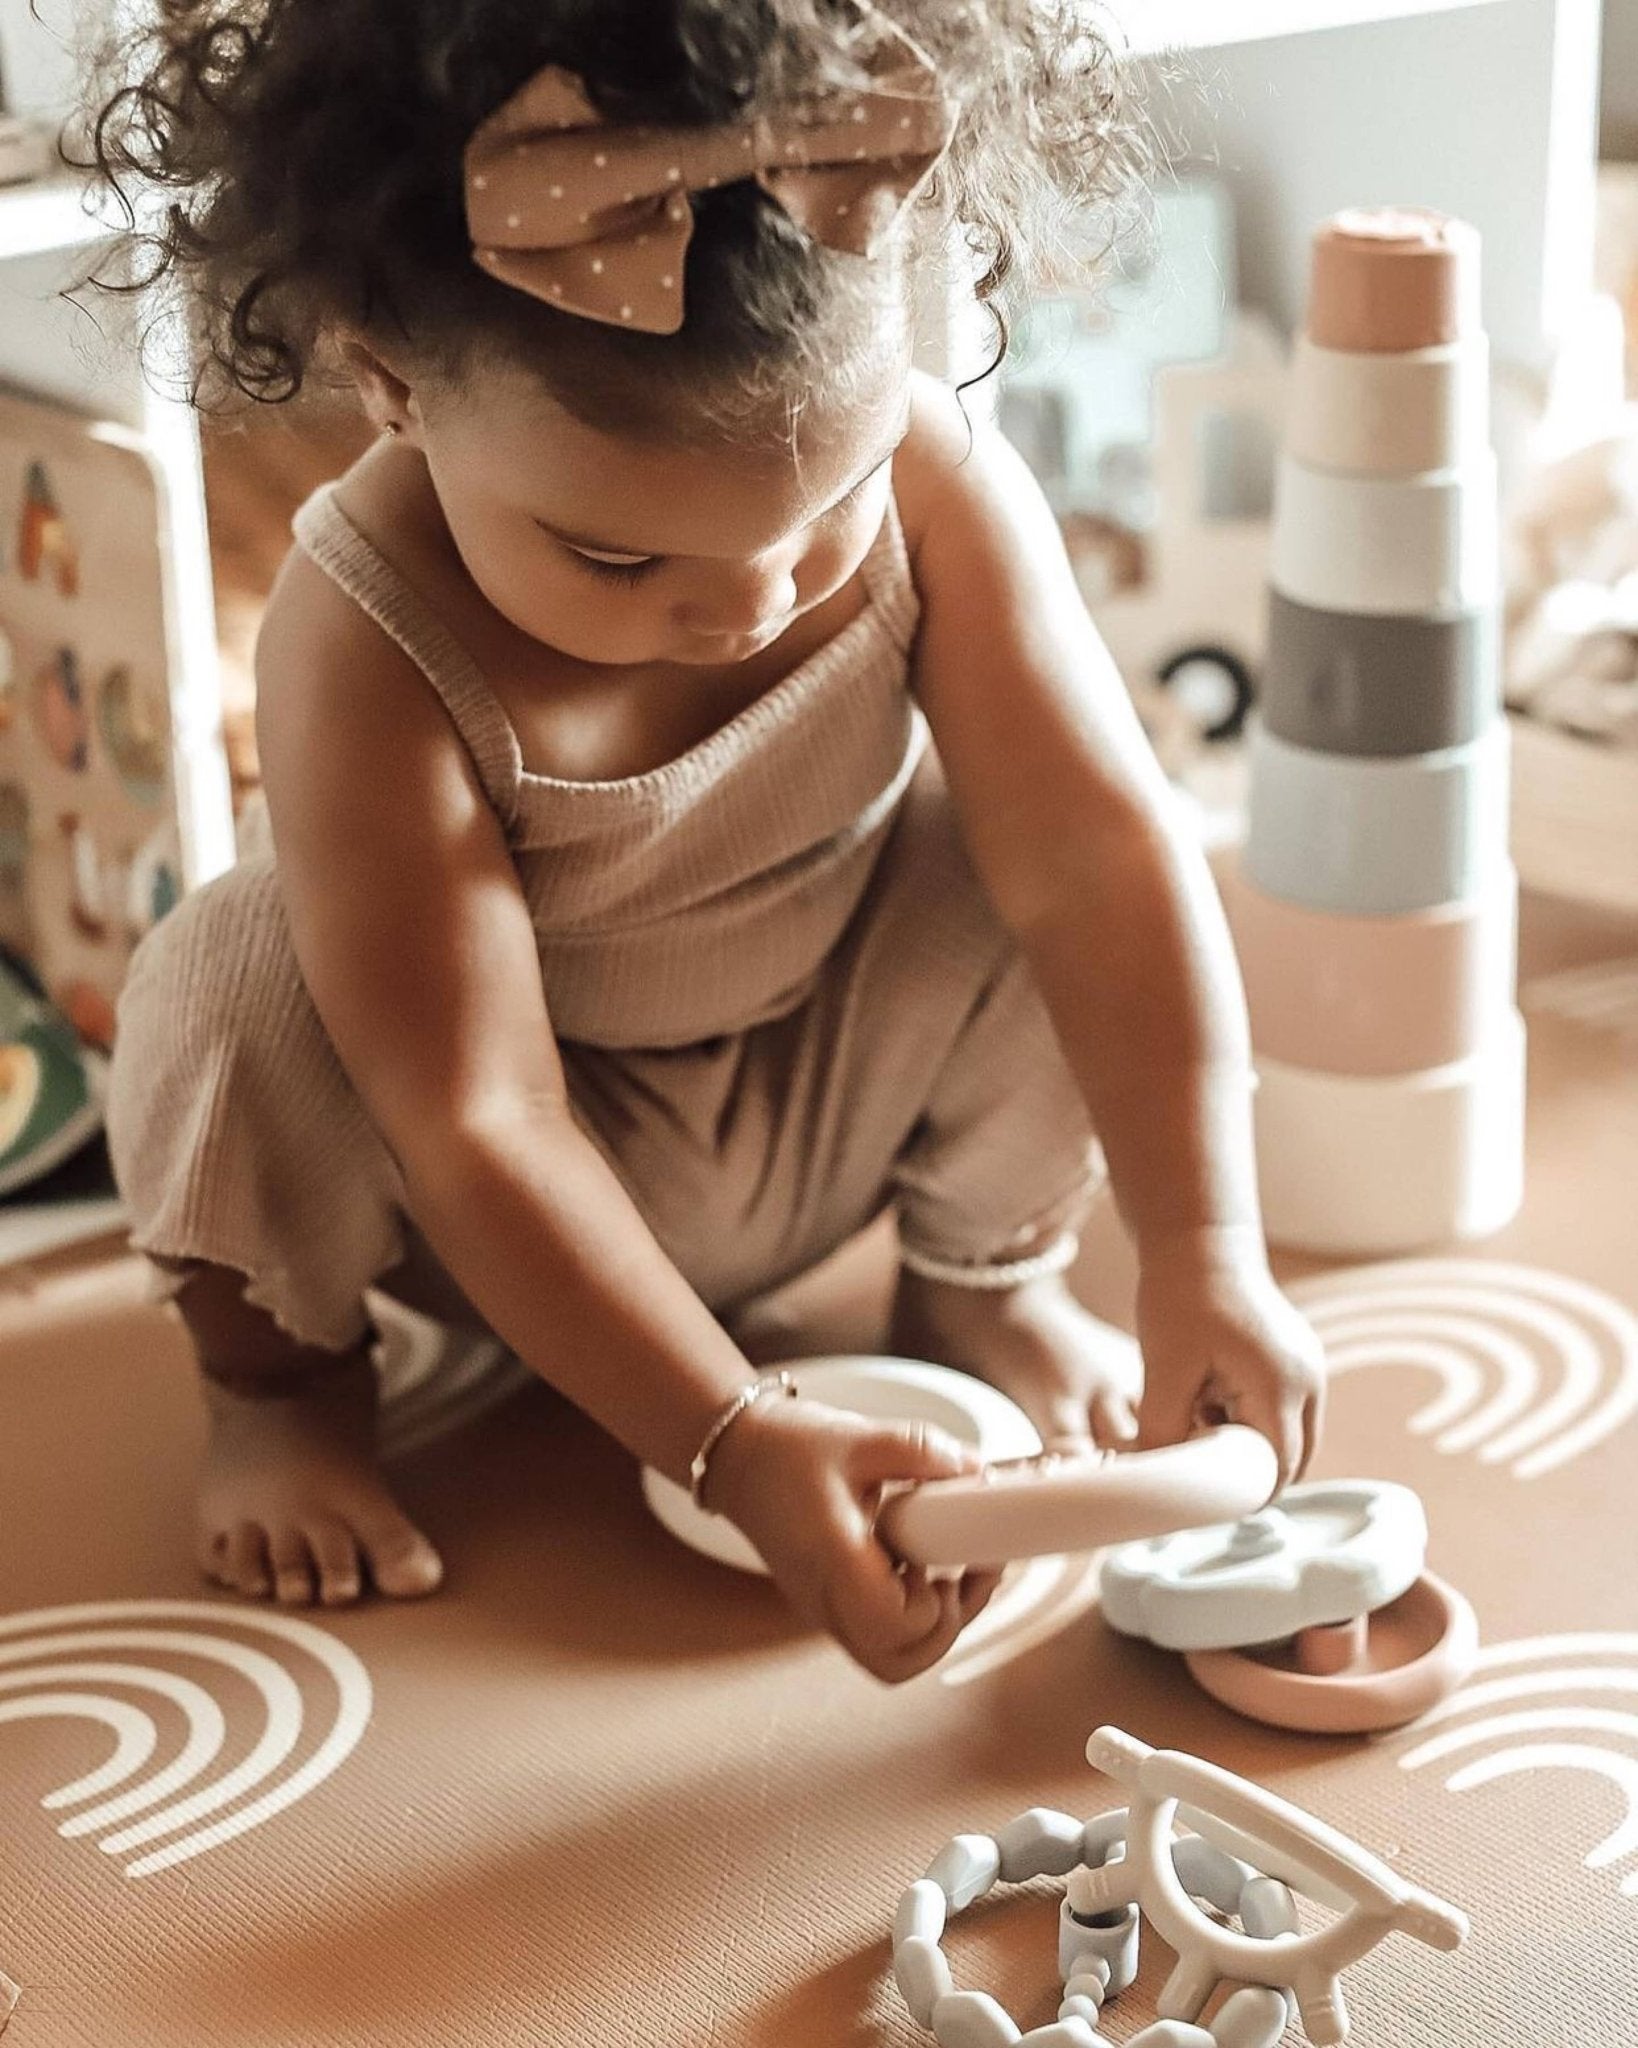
(1374, 995)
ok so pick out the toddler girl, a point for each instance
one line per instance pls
(703, 813)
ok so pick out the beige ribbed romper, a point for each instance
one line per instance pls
(782, 999)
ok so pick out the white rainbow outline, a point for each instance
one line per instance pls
(437, 1380)
(1042, 1599)
(1603, 995)
(1461, 1319)
(58, 1632)
(1566, 1719)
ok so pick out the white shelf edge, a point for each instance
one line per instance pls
(34, 1230)
(48, 215)
(1155, 27)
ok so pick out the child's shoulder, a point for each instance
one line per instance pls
(928, 456)
(321, 658)
(954, 480)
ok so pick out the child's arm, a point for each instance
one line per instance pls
(1067, 817)
(416, 946)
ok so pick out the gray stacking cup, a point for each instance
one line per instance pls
(1370, 683)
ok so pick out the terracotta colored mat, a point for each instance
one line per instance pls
(600, 1793)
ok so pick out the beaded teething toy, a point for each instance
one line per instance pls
(1248, 1851)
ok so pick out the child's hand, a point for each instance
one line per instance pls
(803, 1482)
(1220, 1339)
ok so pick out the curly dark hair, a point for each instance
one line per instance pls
(306, 158)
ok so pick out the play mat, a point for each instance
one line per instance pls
(601, 1793)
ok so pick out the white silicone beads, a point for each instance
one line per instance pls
(1097, 1956)
(1039, 1844)
(1254, 2017)
(972, 2019)
(965, 1868)
(922, 1975)
(922, 1911)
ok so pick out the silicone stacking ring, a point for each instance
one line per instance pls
(1389, 415)
(1366, 683)
(1377, 838)
(1374, 995)
(1418, 546)
(1370, 1166)
(1421, 1647)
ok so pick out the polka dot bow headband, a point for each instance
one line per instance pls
(593, 216)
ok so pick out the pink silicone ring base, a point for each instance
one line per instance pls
(1419, 1649)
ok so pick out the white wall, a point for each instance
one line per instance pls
(1488, 113)
(37, 47)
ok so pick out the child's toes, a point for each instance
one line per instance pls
(236, 1557)
(292, 1567)
(335, 1554)
(402, 1562)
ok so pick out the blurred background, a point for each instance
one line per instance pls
(1145, 386)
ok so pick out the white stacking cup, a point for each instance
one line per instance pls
(1375, 414)
(1420, 546)
(1365, 1166)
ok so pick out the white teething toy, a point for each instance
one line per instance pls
(1371, 1900)
(1096, 1963)
(1245, 1841)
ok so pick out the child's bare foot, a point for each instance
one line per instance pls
(291, 1501)
(1073, 1375)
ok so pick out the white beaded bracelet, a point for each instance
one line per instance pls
(748, 1395)
(1058, 1257)
(1096, 1961)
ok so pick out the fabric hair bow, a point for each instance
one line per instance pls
(593, 216)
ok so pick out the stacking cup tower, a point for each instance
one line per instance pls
(1374, 906)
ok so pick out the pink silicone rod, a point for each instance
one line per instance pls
(1038, 1506)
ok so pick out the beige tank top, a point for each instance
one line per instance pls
(697, 899)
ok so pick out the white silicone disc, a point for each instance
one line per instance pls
(884, 1390)
(1325, 1552)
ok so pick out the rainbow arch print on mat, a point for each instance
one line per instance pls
(1589, 1723)
(71, 1662)
(1534, 1368)
(1603, 996)
(1039, 1600)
